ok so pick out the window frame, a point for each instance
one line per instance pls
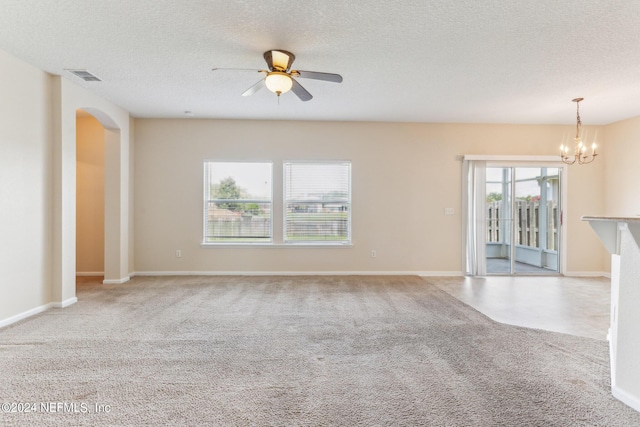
(285, 201)
(206, 199)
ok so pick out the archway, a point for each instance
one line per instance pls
(90, 198)
(68, 98)
(103, 251)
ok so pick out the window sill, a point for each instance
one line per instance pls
(277, 245)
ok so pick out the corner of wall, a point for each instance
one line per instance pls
(132, 266)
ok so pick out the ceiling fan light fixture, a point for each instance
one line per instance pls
(279, 77)
(278, 82)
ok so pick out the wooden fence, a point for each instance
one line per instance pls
(527, 217)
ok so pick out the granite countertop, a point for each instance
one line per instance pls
(611, 218)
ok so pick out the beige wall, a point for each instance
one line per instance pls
(404, 175)
(38, 188)
(89, 195)
(25, 187)
(622, 174)
(131, 194)
(622, 194)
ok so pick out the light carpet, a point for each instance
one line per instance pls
(284, 351)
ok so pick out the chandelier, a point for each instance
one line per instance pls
(579, 155)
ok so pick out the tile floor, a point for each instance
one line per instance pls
(503, 266)
(572, 305)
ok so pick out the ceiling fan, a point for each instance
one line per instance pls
(279, 77)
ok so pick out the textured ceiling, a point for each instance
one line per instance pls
(493, 61)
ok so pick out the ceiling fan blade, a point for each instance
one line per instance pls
(253, 89)
(328, 77)
(279, 60)
(300, 91)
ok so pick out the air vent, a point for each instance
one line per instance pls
(85, 75)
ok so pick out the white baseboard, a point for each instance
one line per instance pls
(65, 303)
(626, 398)
(298, 273)
(332, 273)
(24, 315)
(588, 274)
(37, 310)
(441, 274)
(89, 273)
(116, 281)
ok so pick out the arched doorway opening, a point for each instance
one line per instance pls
(105, 254)
(90, 198)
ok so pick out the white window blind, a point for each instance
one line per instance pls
(317, 202)
(237, 202)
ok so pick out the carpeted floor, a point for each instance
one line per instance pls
(348, 351)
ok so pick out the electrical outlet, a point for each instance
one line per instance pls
(373, 254)
(178, 253)
(448, 211)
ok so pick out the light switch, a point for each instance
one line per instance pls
(448, 211)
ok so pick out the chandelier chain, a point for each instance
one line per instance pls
(578, 121)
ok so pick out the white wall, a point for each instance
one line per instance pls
(404, 175)
(25, 187)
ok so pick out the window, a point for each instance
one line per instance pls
(237, 202)
(317, 202)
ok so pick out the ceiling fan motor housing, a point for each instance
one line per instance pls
(279, 60)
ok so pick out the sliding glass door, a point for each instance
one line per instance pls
(499, 220)
(522, 220)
